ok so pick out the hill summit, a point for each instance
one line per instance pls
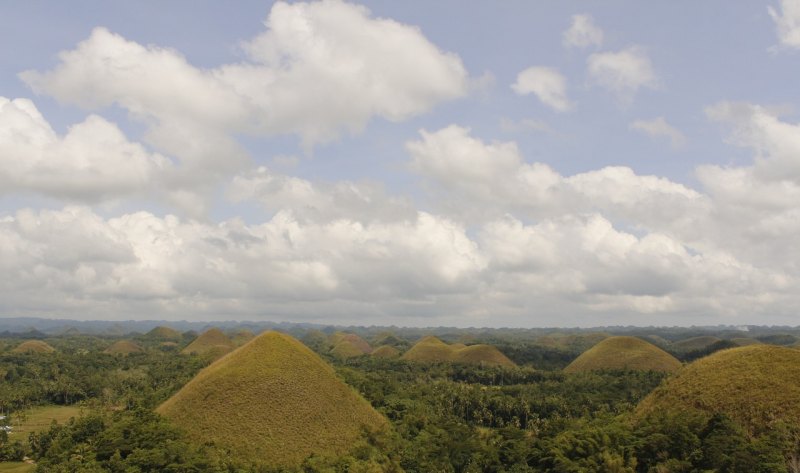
(431, 349)
(756, 386)
(624, 353)
(123, 347)
(33, 346)
(274, 402)
(163, 333)
(212, 342)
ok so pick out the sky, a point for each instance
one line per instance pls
(458, 163)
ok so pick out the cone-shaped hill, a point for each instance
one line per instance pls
(123, 347)
(33, 346)
(385, 351)
(272, 401)
(624, 353)
(163, 333)
(756, 386)
(362, 345)
(347, 349)
(212, 342)
(431, 350)
(240, 337)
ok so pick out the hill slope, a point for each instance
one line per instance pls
(33, 346)
(123, 347)
(163, 333)
(385, 351)
(694, 343)
(431, 350)
(272, 401)
(756, 386)
(627, 353)
(211, 342)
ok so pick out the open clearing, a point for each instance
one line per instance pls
(40, 418)
(16, 467)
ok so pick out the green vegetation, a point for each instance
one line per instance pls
(123, 347)
(240, 337)
(624, 353)
(272, 401)
(33, 346)
(346, 349)
(16, 467)
(352, 339)
(432, 350)
(694, 343)
(212, 343)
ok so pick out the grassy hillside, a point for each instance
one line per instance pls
(33, 346)
(431, 350)
(212, 342)
(743, 342)
(629, 353)
(386, 351)
(272, 401)
(362, 345)
(757, 386)
(123, 347)
(163, 333)
(240, 337)
(346, 349)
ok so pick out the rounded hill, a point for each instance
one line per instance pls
(695, 343)
(624, 353)
(34, 346)
(431, 350)
(211, 342)
(164, 333)
(385, 351)
(272, 402)
(359, 343)
(123, 347)
(757, 386)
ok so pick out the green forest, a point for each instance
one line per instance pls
(535, 403)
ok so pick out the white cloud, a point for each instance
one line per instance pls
(547, 84)
(659, 127)
(582, 32)
(623, 72)
(93, 161)
(787, 22)
(320, 202)
(318, 69)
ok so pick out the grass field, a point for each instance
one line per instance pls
(16, 467)
(40, 418)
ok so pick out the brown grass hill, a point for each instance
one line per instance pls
(757, 386)
(212, 342)
(432, 350)
(694, 343)
(272, 402)
(33, 346)
(575, 343)
(624, 353)
(386, 351)
(347, 349)
(240, 337)
(164, 333)
(359, 342)
(123, 347)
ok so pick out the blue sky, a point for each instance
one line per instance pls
(460, 163)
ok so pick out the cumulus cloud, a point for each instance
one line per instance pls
(658, 127)
(319, 201)
(622, 72)
(787, 23)
(582, 32)
(318, 69)
(93, 161)
(549, 86)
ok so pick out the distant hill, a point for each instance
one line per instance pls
(575, 343)
(212, 342)
(241, 336)
(163, 333)
(779, 339)
(431, 349)
(386, 351)
(33, 346)
(362, 345)
(347, 349)
(757, 386)
(629, 353)
(123, 347)
(743, 342)
(274, 402)
(694, 343)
